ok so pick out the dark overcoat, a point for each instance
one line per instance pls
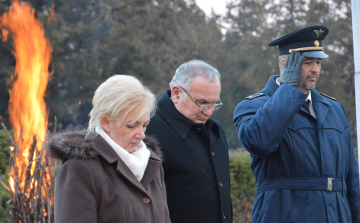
(305, 168)
(95, 185)
(196, 165)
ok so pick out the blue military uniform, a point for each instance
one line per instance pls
(305, 167)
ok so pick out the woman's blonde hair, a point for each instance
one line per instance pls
(120, 94)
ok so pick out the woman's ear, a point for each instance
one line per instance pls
(105, 123)
(175, 94)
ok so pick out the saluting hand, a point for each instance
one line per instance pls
(292, 69)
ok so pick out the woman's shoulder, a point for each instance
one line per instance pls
(71, 145)
(80, 160)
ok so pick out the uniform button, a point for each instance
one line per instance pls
(146, 200)
(198, 129)
(213, 153)
(223, 216)
(221, 184)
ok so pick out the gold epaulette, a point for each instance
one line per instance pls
(254, 96)
(327, 96)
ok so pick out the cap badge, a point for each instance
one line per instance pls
(319, 32)
(316, 43)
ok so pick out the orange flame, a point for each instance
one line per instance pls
(11, 181)
(52, 14)
(27, 108)
(5, 34)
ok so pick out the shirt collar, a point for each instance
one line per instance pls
(309, 98)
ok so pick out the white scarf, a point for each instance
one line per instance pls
(136, 161)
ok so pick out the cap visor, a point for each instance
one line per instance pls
(315, 54)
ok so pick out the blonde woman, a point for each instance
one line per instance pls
(111, 172)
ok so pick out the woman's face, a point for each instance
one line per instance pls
(130, 133)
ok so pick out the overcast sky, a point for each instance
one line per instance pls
(217, 5)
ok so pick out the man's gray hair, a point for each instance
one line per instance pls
(186, 73)
(281, 57)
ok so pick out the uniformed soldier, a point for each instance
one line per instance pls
(299, 139)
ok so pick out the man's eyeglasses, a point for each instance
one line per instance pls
(213, 107)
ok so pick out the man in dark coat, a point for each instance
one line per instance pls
(195, 151)
(299, 139)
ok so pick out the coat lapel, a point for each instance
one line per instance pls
(306, 111)
(321, 107)
(151, 169)
(178, 122)
(110, 156)
(124, 170)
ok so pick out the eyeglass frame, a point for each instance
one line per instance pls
(204, 107)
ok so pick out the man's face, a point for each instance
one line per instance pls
(310, 73)
(204, 92)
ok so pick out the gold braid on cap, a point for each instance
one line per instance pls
(307, 49)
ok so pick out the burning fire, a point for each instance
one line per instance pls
(27, 108)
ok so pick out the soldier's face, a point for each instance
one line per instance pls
(203, 92)
(310, 73)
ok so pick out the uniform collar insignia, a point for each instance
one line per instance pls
(319, 32)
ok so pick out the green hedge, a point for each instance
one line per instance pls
(4, 164)
(242, 181)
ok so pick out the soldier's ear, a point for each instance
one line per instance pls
(175, 94)
(282, 63)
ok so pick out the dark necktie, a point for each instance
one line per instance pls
(306, 105)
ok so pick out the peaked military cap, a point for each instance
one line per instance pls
(308, 41)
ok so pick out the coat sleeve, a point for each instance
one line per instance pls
(261, 124)
(75, 194)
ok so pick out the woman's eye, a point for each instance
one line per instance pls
(130, 126)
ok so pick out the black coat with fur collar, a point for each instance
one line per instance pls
(95, 185)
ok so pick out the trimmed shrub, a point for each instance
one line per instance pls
(242, 181)
(4, 166)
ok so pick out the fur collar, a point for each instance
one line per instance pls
(73, 145)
